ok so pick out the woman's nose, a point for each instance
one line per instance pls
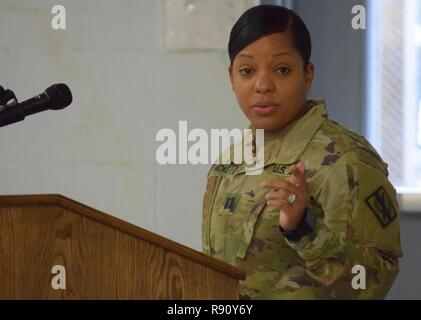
(264, 84)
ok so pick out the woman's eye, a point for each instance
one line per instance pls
(283, 70)
(245, 71)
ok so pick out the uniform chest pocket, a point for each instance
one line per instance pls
(208, 199)
(248, 228)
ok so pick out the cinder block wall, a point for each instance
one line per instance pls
(101, 149)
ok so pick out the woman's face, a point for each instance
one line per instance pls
(270, 81)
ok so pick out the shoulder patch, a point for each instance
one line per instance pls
(382, 207)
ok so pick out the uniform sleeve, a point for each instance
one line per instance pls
(355, 245)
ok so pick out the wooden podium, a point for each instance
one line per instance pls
(102, 257)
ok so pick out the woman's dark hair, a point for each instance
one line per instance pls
(262, 20)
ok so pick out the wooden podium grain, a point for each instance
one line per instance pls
(104, 257)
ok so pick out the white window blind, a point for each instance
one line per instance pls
(394, 86)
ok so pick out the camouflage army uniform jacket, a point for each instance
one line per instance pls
(354, 208)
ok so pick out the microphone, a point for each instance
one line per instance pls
(56, 97)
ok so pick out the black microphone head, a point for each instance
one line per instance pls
(60, 96)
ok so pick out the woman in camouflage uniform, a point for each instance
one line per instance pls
(322, 220)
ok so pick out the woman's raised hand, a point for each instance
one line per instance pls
(290, 197)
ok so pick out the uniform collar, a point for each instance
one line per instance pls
(293, 138)
(287, 144)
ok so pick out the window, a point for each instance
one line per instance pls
(394, 88)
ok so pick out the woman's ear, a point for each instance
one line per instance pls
(309, 75)
(231, 77)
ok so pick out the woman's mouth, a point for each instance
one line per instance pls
(264, 109)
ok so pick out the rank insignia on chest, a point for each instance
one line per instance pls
(231, 202)
(382, 207)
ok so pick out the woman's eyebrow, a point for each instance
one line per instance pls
(283, 53)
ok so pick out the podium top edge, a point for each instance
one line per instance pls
(123, 226)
